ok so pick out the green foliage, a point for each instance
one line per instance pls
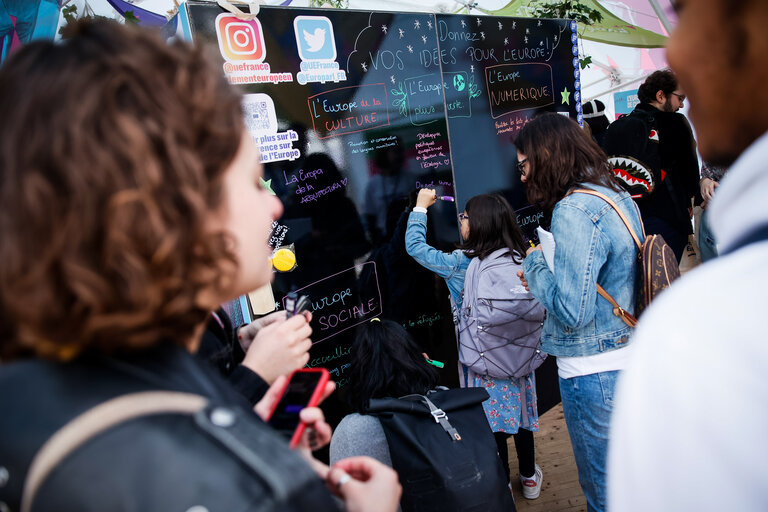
(338, 4)
(585, 62)
(565, 9)
(70, 14)
(570, 10)
(130, 18)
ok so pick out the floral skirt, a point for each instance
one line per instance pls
(504, 409)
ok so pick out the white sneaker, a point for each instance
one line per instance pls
(532, 486)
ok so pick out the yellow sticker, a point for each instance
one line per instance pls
(284, 260)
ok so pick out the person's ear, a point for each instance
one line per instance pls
(661, 97)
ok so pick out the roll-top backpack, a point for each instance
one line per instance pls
(444, 451)
(499, 323)
(657, 267)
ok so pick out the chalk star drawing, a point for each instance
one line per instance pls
(539, 24)
(416, 24)
(267, 185)
(472, 68)
(277, 305)
(384, 29)
(514, 25)
(463, 24)
(410, 48)
(392, 78)
(424, 38)
(429, 24)
(525, 39)
(364, 66)
(555, 38)
(541, 43)
(500, 26)
(565, 96)
(527, 31)
(506, 41)
(482, 35)
(402, 33)
(479, 22)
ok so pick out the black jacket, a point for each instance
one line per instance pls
(671, 199)
(160, 463)
(220, 347)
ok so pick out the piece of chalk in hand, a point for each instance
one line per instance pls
(446, 198)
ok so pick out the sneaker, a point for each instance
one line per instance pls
(532, 486)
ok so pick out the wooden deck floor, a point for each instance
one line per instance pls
(560, 491)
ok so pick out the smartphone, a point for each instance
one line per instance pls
(304, 389)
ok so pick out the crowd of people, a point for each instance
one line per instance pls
(132, 209)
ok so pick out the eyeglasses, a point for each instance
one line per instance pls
(521, 166)
(681, 97)
(463, 216)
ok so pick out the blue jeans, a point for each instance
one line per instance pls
(587, 404)
(707, 244)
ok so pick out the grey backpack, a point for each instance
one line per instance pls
(499, 323)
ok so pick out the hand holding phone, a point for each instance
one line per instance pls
(304, 389)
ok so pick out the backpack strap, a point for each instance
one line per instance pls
(620, 312)
(95, 421)
(618, 210)
(438, 415)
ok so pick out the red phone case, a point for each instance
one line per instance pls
(314, 400)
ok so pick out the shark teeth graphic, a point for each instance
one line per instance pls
(633, 173)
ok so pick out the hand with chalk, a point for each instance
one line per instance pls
(426, 197)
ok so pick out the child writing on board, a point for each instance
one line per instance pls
(487, 224)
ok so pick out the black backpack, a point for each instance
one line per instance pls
(444, 451)
(632, 145)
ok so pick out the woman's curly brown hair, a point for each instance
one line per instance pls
(113, 147)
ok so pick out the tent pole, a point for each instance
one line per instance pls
(662, 16)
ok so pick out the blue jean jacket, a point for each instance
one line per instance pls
(451, 266)
(592, 245)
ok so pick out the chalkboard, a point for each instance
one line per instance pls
(499, 73)
(354, 111)
(513, 69)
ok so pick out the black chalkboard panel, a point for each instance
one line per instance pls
(354, 111)
(348, 110)
(500, 72)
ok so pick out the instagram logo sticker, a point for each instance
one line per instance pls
(239, 39)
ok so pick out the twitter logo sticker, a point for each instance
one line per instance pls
(314, 38)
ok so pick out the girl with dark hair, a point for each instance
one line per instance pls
(493, 227)
(592, 245)
(384, 362)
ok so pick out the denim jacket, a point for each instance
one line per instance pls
(451, 266)
(592, 245)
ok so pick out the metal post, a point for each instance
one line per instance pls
(662, 16)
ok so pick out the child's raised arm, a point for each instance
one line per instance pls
(441, 263)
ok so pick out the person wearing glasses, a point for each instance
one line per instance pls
(487, 224)
(592, 246)
(667, 210)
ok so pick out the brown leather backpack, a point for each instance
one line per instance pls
(657, 267)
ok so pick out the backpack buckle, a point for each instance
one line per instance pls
(438, 414)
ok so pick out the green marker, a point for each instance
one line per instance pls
(435, 363)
